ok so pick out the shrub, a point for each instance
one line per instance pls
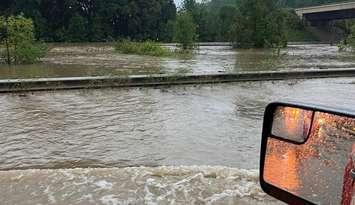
(142, 48)
(351, 39)
(27, 53)
(17, 39)
(349, 43)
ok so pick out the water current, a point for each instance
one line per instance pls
(196, 144)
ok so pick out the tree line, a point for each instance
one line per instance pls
(95, 20)
(246, 23)
(156, 20)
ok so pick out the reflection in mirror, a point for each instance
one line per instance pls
(292, 124)
(320, 169)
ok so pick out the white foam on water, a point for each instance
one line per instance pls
(110, 200)
(102, 184)
(50, 194)
(138, 185)
(88, 197)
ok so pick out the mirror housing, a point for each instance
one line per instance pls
(302, 152)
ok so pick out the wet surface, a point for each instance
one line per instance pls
(216, 125)
(182, 125)
(73, 60)
(136, 186)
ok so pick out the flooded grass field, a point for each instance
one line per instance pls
(72, 60)
(208, 136)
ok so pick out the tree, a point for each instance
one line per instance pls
(260, 23)
(227, 16)
(18, 39)
(6, 7)
(96, 20)
(101, 20)
(185, 30)
(55, 15)
(166, 21)
(189, 5)
(76, 29)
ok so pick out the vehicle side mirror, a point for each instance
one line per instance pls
(307, 154)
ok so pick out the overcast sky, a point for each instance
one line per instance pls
(178, 2)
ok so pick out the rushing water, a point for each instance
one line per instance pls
(111, 146)
(68, 60)
(163, 185)
(215, 125)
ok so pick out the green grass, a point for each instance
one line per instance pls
(148, 48)
(301, 36)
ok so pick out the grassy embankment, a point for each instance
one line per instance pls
(150, 48)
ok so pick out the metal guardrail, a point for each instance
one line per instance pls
(20, 85)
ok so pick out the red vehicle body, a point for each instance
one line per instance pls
(349, 181)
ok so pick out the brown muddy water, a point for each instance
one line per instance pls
(207, 136)
(98, 59)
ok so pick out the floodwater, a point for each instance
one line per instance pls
(82, 140)
(73, 60)
(136, 186)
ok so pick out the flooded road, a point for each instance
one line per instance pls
(133, 186)
(182, 125)
(214, 125)
(73, 60)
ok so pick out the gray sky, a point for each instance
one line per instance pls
(178, 2)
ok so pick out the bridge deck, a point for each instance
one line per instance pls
(325, 8)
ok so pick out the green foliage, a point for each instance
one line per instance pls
(148, 48)
(185, 30)
(349, 43)
(95, 20)
(189, 6)
(168, 34)
(301, 35)
(217, 20)
(351, 38)
(216, 5)
(260, 23)
(76, 29)
(29, 52)
(140, 20)
(18, 41)
(296, 31)
(227, 16)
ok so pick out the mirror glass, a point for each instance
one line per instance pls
(318, 170)
(292, 124)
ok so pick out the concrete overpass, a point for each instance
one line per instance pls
(327, 13)
(321, 20)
